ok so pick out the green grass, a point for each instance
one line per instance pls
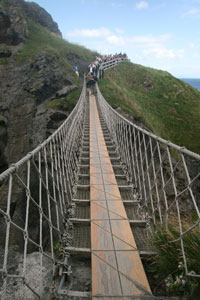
(61, 53)
(67, 103)
(3, 61)
(2, 4)
(40, 40)
(165, 104)
(168, 265)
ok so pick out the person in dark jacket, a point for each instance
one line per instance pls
(90, 82)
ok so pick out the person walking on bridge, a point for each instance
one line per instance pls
(76, 70)
(90, 82)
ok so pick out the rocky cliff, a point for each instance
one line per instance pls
(36, 69)
(31, 74)
(14, 17)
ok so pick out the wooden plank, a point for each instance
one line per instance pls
(112, 192)
(105, 277)
(109, 179)
(78, 294)
(96, 179)
(99, 210)
(117, 270)
(97, 192)
(132, 275)
(116, 210)
(101, 236)
(74, 249)
(77, 220)
(137, 222)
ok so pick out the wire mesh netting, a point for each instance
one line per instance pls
(165, 176)
(36, 194)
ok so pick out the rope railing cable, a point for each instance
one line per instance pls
(40, 187)
(164, 175)
(160, 172)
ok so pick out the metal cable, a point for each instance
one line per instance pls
(41, 183)
(162, 175)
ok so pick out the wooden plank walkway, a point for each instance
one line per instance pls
(117, 270)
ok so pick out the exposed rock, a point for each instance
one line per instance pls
(56, 119)
(40, 280)
(13, 21)
(23, 90)
(5, 52)
(45, 78)
(41, 16)
(148, 85)
(58, 116)
(14, 26)
(64, 91)
(11, 33)
(3, 143)
(25, 121)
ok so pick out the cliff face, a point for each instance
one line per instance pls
(36, 67)
(23, 113)
(31, 74)
(13, 20)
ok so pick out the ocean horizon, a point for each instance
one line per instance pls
(194, 82)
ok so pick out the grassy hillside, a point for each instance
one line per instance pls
(64, 54)
(166, 105)
(40, 40)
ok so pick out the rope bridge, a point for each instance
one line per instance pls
(45, 182)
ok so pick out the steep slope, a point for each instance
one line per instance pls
(37, 80)
(163, 103)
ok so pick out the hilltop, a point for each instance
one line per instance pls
(38, 86)
(164, 104)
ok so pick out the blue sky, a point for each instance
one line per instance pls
(163, 34)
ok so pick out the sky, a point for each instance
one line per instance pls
(162, 34)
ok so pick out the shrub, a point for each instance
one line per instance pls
(168, 265)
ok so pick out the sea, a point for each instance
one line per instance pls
(194, 82)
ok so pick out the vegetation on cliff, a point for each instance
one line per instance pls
(40, 40)
(64, 54)
(37, 77)
(167, 266)
(166, 105)
(66, 103)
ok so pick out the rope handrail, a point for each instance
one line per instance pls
(165, 176)
(166, 142)
(28, 156)
(41, 187)
(162, 174)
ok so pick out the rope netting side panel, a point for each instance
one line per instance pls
(165, 177)
(35, 197)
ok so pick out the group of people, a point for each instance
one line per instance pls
(92, 75)
(94, 66)
(106, 58)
